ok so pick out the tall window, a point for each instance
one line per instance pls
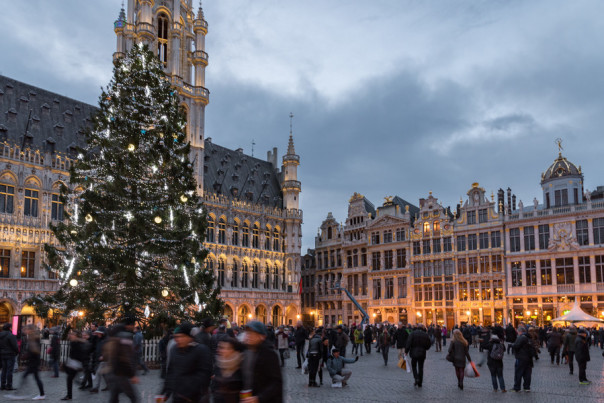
(28, 261)
(267, 239)
(375, 260)
(516, 274)
(31, 203)
(426, 246)
(436, 245)
(355, 258)
(377, 288)
(485, 290)
(364, 282)
(417, 290)
(438, 292)
(56, 211)
(472, 243)
(388, 236)
(210, 230)
(162, 38)
(221, 273)
(598, 224)
(546, 272)
(582, 233)
(426, 228)
(449, 267)
(497, 289)
(514, 239)
(531, 272)
(474, 290)
(561, 197)
(529, 238)
(463, 291)
(402, 287)
(483, 215)
(584, 270)
(245, 237)
(462, 266)
(428, 293)
(349, 258)
(375, 238)
(600, 269)
(234, 275)
(483, 240)
(388, 259)
(255, 236)
(276, 240)
(447, 246)
(461, 243)
(471, 217)
(497, 263)
(400, 234)
(363, 257)
(449, 291)
(7, 196)
(244, 274)
(401, 258)
(235, 235)
(543, 236)
(484, 264)
(255, 275)
(4, 262)
(417, 249)
(221, 231)
(496, 239)
(438, 268)
(565, 273)
(389, 288)
(267, 276)
(472, 265)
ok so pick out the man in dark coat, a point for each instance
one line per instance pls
(261, 368)
(554, 342)
(417, 345)
(582, 355)
(510, 336)
(300, 336)
(401, 337)
(524, 352)
(368, 338)
(189, 369)
(341, 340)
(8, 354)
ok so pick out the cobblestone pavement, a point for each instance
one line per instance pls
(371, 381)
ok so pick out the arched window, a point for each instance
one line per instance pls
(267, 238)
(222, 231)
(267, 276)
(162, 38)
(244, 274)
(235, 236)
(255, 275)
(426, 228)
(255, 231)
(245, 238)
(221, 273)
(211, 229)
(275, 277)
(276, 240)
(234, 275)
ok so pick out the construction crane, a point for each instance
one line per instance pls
(365, 319)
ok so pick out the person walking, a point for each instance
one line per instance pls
(228, 377)
(101, 368)
(261, 372)
(138, 349)
(55, 351)
(358, 340)
(438, 336)
(33, 359)
(282, 343)
(496, 351)
(569, 347)
(385, 345)
(554, 342)
(9, 350)
(510, 337)
(315, 345)
(417, 345)
(524, 352)
(582, 355)
(189, 368)
(87, 360)
(457, 354)
(122, 361)
(300, 336)
(368, 338)
(74, 361)
(401, 337)
(163, 352)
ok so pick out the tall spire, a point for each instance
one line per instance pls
(200, 15)
(290, 146)
(121, 19)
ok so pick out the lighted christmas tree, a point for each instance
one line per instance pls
(131, 243)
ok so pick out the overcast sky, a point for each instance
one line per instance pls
(390, 97)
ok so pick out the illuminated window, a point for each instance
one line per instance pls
(162, 38)
(28, 261)
(4, 262)
(426, 228)
(210, 230)
(221, 273)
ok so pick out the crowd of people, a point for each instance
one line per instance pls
(243, 364)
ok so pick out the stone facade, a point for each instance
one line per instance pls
(489, 261)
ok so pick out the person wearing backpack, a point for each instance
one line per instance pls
(496, 351)
(358, 341)
(524, 352)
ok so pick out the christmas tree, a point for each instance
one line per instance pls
(131, 243)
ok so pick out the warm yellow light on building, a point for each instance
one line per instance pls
(73, 282)
(249, 315)
(528, 313)
(297, 316)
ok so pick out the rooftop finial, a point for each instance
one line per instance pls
(291, 119)
(559, 143)
(290, 146)
(200, 11)
(121, 20)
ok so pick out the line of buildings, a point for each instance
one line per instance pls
(491, 260)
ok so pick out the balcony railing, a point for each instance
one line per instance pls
(566, 288)
(531, 289)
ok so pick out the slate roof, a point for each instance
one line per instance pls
(40, 119)
(413, 210)
(240, 176)
(50, 122)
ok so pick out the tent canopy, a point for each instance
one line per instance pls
(577, 315)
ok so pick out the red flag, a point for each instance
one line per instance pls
(300, 286)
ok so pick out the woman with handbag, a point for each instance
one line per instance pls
(457, 354)
(74, 362)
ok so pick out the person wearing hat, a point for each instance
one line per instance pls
(582, 355)
(205, 336)
(261, 369)
(189, 369)
(495, 352)
(335, 366)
